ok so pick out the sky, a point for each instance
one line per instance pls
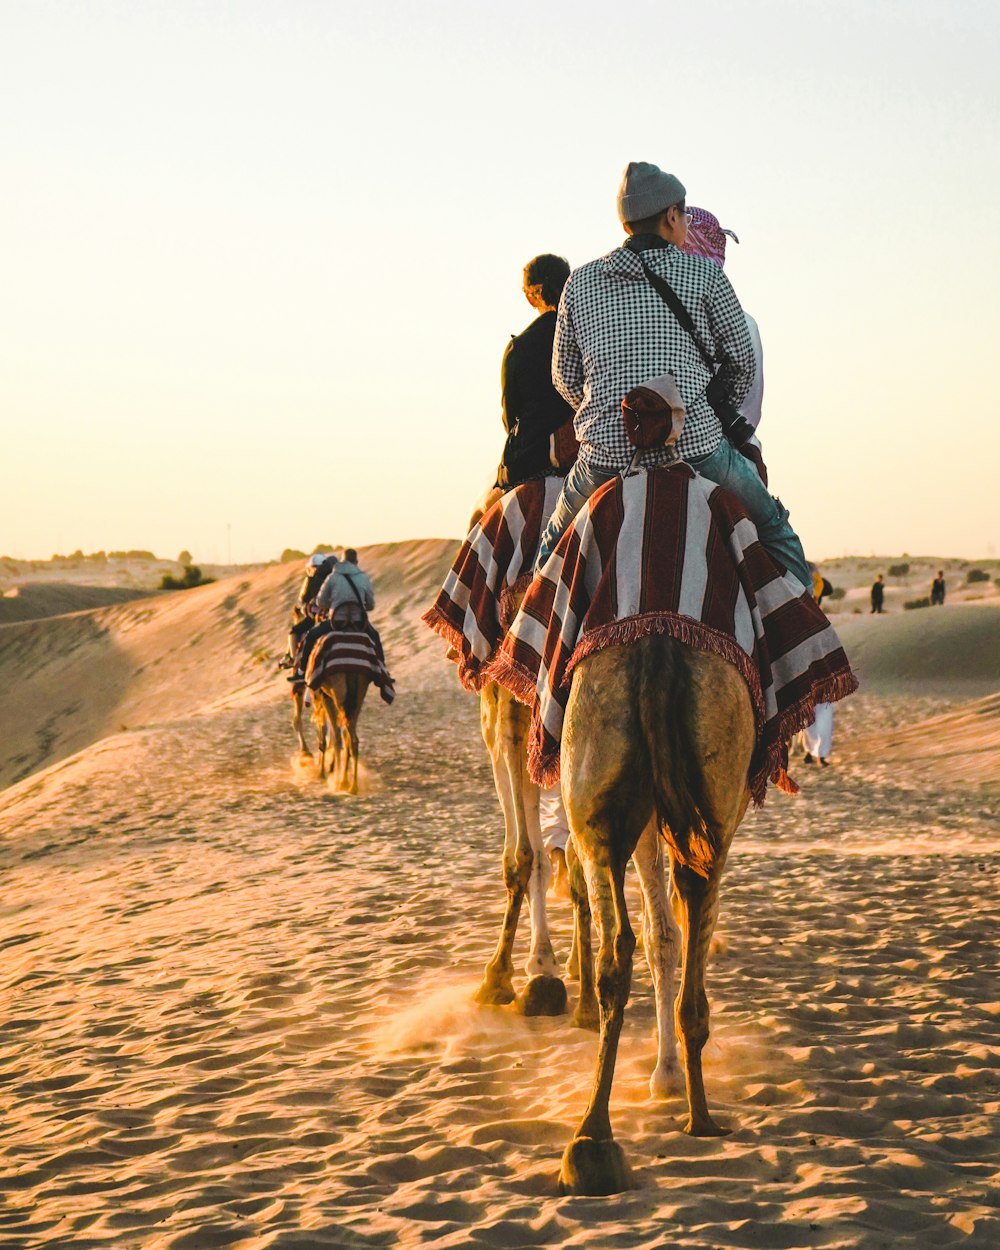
(260, 260)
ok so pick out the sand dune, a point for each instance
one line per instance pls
(238, 1008)
(952, 652)
(29, 603)
(73, 680)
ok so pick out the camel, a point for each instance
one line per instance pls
(657, 738)
(336, 707)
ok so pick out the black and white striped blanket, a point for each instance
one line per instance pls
(670, 552)
(348, 651)
(493, 568)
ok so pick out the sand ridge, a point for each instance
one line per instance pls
(237, 1008)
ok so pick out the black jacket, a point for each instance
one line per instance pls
(532, 407)
(315, 578)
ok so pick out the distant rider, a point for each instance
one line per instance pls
(346, 597)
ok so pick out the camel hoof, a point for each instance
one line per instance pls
(543, 996)
(494, 993)
(594, 1168)
(667, 1081)
(587, 1017)
(705, 1126)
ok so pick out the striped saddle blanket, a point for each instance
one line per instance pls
(493, 568)
(670, 552)
(347, 652)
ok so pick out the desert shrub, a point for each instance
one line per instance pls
(977, 575)
(185, 558)
(838, 592)
(291, 554)
(192, 577)
(325, 548)
(925, 602)
(898, 570)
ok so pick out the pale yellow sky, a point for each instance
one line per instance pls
(261, 260)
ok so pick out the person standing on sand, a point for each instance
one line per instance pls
(817, 738)
(614, 331)
(878, 594)
(937, 590)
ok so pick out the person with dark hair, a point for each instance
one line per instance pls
(937, 590)
(878, 594)
(538, 421)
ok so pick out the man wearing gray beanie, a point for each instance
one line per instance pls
(615, 330)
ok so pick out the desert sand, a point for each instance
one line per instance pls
(237, 1007)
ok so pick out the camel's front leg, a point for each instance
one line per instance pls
(593, 1162)
(661, 939)
(298, 704)
(498, 979)
(541, 961)
(698, 904)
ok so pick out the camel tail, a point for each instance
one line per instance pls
(667, 712)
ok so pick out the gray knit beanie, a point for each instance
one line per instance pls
(646, 190)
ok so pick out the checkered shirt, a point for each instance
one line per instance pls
(614, 332)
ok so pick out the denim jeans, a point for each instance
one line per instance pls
(729, 469)
(581, 482)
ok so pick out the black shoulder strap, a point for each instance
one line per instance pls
(670, 297)
(354, 590)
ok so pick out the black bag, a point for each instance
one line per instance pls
(734, 425)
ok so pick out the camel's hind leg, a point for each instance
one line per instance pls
(722, 739)
(662, 941)
(354, 697)
(581, 956)
(609, 803)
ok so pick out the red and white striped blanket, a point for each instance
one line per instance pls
(344, 651)
(493, 568)
(670, 552)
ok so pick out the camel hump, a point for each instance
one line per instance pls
(697, 721)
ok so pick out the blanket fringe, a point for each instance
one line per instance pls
(684, 629)
(512, 676)
(469, 668)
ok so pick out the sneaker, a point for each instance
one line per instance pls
(298, 676)
(286, 661)
(808, 759)
(825, 763)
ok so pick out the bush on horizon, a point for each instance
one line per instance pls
(977, 575)
(924, 602)
(898, 570)
(192, 577)
(290, 554)
(838, 592)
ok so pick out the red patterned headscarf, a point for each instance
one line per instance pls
(705, 237)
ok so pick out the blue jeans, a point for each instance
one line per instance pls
(581, 482)
(729, 469)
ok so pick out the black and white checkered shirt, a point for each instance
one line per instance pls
(614, 332)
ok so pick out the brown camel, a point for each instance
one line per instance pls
(336, 707)
(656, 736)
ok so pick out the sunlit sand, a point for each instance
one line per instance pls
(238, 1008)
